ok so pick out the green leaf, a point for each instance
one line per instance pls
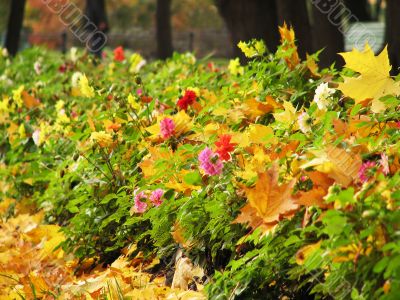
(108, 198)
(193, 178)
(381, 265)
(334, 222)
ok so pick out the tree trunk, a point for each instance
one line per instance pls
(97, 14)
(392, 36)
(359, 9)
(247, 19)
(164, 30)
(294, 12)
(15, 22)
(327, 32)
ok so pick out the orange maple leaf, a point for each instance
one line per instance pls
(288, 41)
(268, 202)
(29, 101)
(315, 196)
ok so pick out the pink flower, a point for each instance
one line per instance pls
(156, 196)
(139, 92)
(384, 163)
(210, 162)
(167, 128)
(140, 206)
(365, 172)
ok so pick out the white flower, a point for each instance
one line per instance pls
(4, 52)
(73, 54)
(5, 80)
(76, 77)
(140, 65)
(304, 122)
(384, 162)
(36, 137)
(37, 67)
(322, 95)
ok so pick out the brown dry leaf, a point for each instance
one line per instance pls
(346, 165)
(271, 201)
(339, 164)
(320, 179)
(185, 272)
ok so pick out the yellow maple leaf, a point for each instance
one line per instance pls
(288, 116)
(374, 80)
(312, 66)
(261, 134)
(85, 89)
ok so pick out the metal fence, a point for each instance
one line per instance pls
(201, 42)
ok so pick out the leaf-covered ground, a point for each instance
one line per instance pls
(31, 268)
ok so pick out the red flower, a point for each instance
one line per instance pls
(119, 54)
(188, 99)
(146, 99)
(224, 146)
(62, 68)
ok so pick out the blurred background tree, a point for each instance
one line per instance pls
(208, 25)
(15, 21)
(392, 35)
(164, 29)
(360, 8)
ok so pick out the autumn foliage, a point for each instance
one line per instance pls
(179, 180)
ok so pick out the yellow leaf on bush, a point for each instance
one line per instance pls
(254, 108)
(261, 134)
(183, 122)
(374, 80)
(306, 251)
(287, 117)
(312, 66)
